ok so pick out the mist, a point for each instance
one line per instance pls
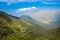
(48, 19)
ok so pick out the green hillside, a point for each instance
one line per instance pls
(13, 28)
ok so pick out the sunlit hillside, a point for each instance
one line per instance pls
(14, 28)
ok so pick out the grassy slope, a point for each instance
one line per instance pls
(12, 28)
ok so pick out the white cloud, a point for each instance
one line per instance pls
(51, 1)
(26, 9)
(42, 1)
(9, 1)
(14, 1)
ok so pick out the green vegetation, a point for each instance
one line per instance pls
(13, 28)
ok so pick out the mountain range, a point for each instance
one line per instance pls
(44, 21)
(24, 28)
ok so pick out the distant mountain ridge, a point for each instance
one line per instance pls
(28, 18)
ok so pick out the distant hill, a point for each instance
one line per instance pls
(28, 18)
(14, 28)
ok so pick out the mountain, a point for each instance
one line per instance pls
(28, 18)
(14, 28)
(44, 25)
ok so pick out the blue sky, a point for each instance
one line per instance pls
(13, 5)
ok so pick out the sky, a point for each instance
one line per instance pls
(19, 7)
(13, 5)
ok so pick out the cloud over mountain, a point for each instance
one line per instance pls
(42, 15)
(24, 11)
(45, 16)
